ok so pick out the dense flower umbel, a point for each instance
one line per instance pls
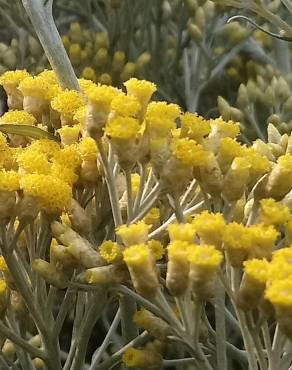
(171, 216)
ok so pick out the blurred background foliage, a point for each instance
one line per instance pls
(187, 47)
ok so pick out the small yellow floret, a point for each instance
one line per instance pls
(63, 173)
(156, 248)
(141, 89)
(9, 181)
(152, 217)
(53, 194)
(88, 149)
(126, 106)
(45, 146)
(18, 117)
(224, 129)
(205, 256)
(133, 357)
(210, 227)
(194, 126)
(257, 269)
(110, 251)
(69, 156)
(37, 87)
(13, 78)
(32, 161)
(67, 103)
(137, 255)
(279, 293)
(182, 232)
(50, 76)
(178, 250)
(263, 240)
(273, 213)
(123, 128)
(133, 234)
(101, 96)
(189, 152)
(159, 127)
(162, 109)
(69, 134)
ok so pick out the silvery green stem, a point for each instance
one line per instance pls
(220, 326)
(42, 19)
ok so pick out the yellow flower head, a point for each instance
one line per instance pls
(194, 126)
(88, 149)
(279, 293)
(133, 234)
(189, 152)
(135, 181)
(68, 157)
(162, 109)
(137, 255)
(89, 74)
(110, 251)
(133, 357)
(229, 149)
(9, 181)
(32, 161)
(69, 134)
(158, 127)
(125, 105)
(156, 248)
(85, 84)
(141, 89)
(122, 128)
(50, 76)
(3, 265)
(259, 164)
(280, 269)
(221, 128)
(11, 79)
(80, 116)
(37, 87)
(210, 227)
(101, 96)
(263, 240)
(178, 250)
(45, 146)
(152, 217)
(273, 213)
(182, 232)
(205, 257)
(63, 173)
(53, 194)
(257, 269)
(18, 117)
(67, 103)
(284, 254)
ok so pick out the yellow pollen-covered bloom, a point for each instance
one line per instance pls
(141, 89)
(263, 240)
(80, 116)
(157, 248)
(137, 255)
(53, 194)
(101, 96)
(142, 358)
(257, 269)
(259, 164)
(159, 127)
(110, 251)
(280, 269)
(18, 117)
(45, 146)
(9, 181)
(194, 126)
(133, 234)
(182, 232)
(69, 134)
(205, 257)
(67, 103)
(13, 78)
(224, 129)
(152, 217)
(189, 152)
(273, 213)
(69, 156)
(63, 173)
(210, 227)
(279, 293)
(32, 161)
(125, 105)
(37, 87)
(122, 128)
(85, 84)
(163, 110)
(229, 149)
(88, 149)
(284, 254)
(280, 178)
(50, 76)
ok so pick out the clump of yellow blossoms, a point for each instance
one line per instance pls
(159, 209)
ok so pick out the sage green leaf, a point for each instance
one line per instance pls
(28, 131)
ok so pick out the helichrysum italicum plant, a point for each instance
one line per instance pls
(155, 227)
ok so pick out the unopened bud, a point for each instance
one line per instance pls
(111, 274)
(156, 327)
(242, 97)
(200, 18)
(195, 32)
(49, 273)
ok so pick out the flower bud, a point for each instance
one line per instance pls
(9, 350)
(156, 327)
(49, 273)
(111, 274)
(143, 359)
